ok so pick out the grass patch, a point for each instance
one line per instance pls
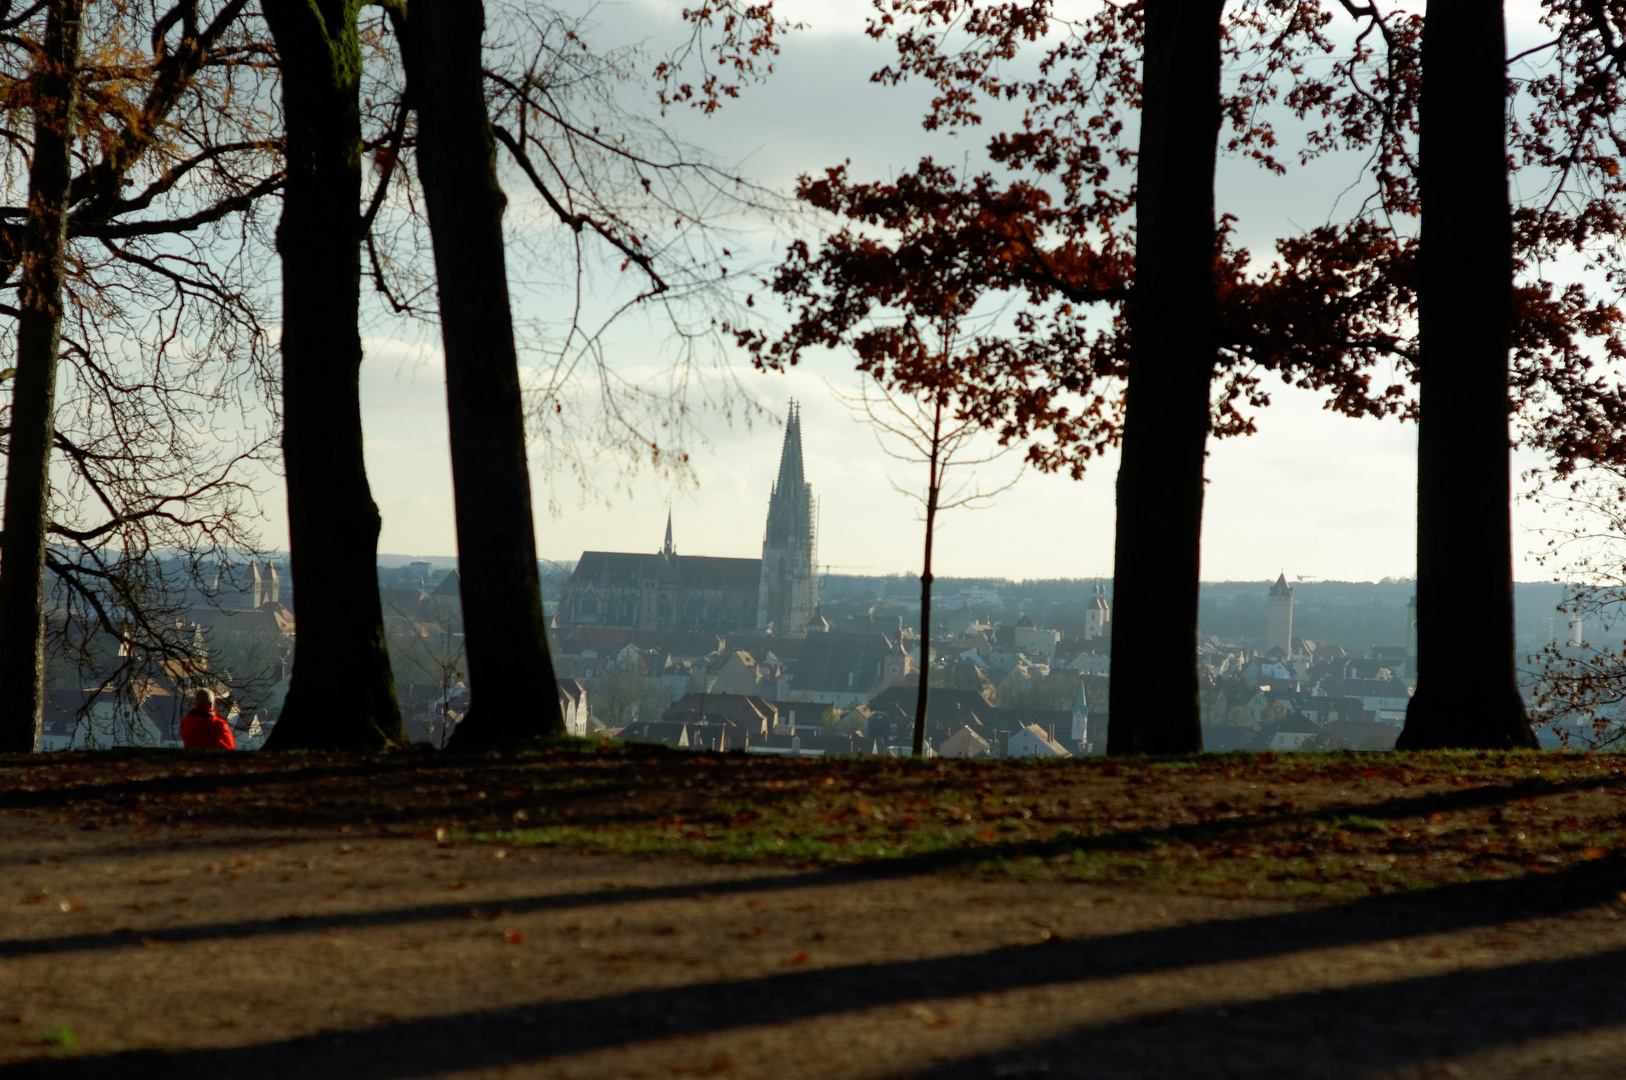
(1336, 824)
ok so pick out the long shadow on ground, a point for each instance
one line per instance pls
(1550, 892)
(1356, 1032)
(1420, 1018)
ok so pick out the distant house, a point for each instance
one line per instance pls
(742, 673)
(1012, 644)
(1058, 724)
(1034, 642)
(1357, 667)
(803, 718)
(1033, 741)
(1090, 663)
(947, 711)
(1361, 734)
(754, 717)
(823, 744)
(104, 718)
(1385, 700)
(847, 669)
(892, 725)
(709, 733)
(965, 743)
(573, 706)
(1289, 732)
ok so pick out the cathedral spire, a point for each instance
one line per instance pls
(788, 593)
(668, 548)
(790, 456)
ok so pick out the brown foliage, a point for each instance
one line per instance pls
(1333, 310)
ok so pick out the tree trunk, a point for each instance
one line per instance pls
(33, 410)
(342, 695)
(1465, 314)
(511, 674)
(1153, 705)
(934, 486)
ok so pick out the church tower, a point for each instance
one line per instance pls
(1279, 625)
(788, 591)
(1098, 616)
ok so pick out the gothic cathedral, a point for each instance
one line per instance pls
(668, 591)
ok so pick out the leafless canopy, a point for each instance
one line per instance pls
(164, 414)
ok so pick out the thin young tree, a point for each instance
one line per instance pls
(926, 430)
(884, 288)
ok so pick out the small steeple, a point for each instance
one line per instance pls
(668, 548)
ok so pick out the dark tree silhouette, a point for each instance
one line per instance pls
(511, 675)
(342, 693)
(1465, 317)
(33, 413)
(1153, 707)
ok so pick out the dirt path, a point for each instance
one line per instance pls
(181, 949)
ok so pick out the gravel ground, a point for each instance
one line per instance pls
(153, 927)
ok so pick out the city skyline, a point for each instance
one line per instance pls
(1294, 497)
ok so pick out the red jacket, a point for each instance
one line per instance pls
(206, 731)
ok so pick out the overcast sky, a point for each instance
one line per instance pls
(1311, 494)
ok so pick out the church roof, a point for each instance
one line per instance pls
(689, 571)
(451, 587)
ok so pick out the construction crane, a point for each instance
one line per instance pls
(827, 567)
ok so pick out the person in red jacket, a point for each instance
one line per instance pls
(202, 728)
